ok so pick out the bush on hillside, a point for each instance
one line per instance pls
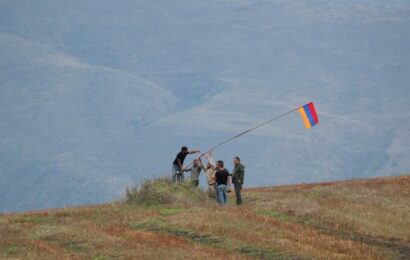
(158, 191)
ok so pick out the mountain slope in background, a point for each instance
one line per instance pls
(96, 95)
(326, 220)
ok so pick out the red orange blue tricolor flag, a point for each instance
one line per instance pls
(309, 115)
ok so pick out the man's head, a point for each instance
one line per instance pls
(184, 150)
(237, 160)
(195, 162)
(220, 164)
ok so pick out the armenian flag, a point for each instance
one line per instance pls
(309, 115)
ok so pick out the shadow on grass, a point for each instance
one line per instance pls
(157, 225)
(400, 248)
(70, 244)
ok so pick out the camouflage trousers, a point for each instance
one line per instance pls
(212, 191)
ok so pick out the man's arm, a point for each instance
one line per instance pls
(229, 181)
(193, 151)
(201, 165)
(241, 174)
(211, 160)
(234, 174)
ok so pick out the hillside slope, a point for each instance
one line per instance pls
(352, 219)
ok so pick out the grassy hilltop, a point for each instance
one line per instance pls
(361, 219)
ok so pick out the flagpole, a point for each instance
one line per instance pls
(247, 131)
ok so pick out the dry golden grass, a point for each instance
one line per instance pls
(363, 219)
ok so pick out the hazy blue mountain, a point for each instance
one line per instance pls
(98, 94)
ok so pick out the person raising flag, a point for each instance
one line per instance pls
(210, 170)
(178, 164)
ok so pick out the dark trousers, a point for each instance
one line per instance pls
(177, 176)
(238, 189)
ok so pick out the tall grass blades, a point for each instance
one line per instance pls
(160, 190)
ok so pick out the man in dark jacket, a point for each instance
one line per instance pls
(238, 175)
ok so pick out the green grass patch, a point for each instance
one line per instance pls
(11, 250)
(72, 244)
(157, 225)
(276, 214)
(306, 220)
(260, 252)
(34, 236)
(33, 219)
(170, 211)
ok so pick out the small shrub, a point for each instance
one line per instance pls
(12, 250)
(162, 191)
